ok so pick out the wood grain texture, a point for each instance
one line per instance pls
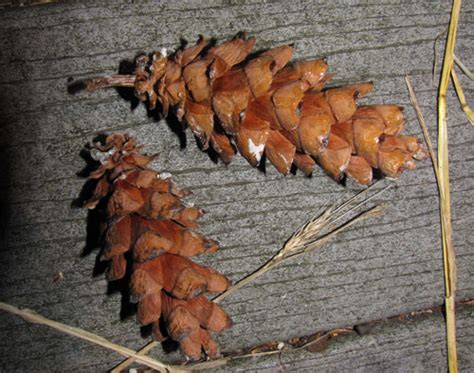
(382, 268)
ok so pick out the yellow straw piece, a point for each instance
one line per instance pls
(443, 185)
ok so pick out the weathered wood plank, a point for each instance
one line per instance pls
(385, 267)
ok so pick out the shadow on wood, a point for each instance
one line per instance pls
(96, 226)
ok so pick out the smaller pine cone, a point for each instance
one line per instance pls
(149, 227)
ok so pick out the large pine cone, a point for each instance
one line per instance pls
(260, 106)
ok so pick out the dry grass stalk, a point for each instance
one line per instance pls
(423, 125)
(35, 318)
(457, 84)
(311, 236)
(449, 299)
(142, 352)
(464, 68)
(435, 57)
(441, 167)
(443, 185)
(462, 99)
(223, 361)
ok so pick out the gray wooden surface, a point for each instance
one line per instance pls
(382, 268)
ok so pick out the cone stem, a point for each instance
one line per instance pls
(110, 81)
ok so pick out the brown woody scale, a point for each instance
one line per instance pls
(266, 107)
(148, 222)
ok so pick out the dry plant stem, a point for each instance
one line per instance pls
(33, 317)
(443, 184)
(464, 68)
(424, 128)
(462, 99)
(143, 351)
(223, 361)
(311, 236)
(110, 81)
(247, 280)
(435, 50)
(449, 301)
(457, 84)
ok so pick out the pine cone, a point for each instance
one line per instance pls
(149, 224)
(264, 107)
